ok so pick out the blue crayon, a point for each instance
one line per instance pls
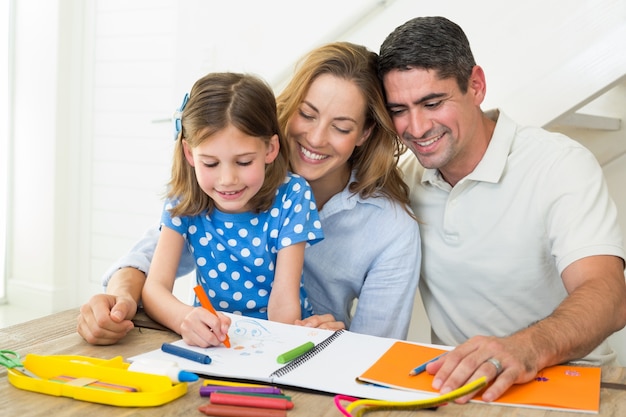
(192, 355)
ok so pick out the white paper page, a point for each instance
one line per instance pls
(255, 346)
(335, 369)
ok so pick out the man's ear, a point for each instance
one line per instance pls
(272, 149)
(188, 153)
(477, 85)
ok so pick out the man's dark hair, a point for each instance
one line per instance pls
(431, 43)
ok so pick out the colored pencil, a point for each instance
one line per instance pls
(421, 368)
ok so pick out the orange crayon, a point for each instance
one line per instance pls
(206, 303)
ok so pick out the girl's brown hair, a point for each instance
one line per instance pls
(216, 101)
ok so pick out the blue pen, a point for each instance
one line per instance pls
(422, 367)
(186, 353)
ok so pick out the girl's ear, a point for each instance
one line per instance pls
(188, 153)
(366, 134)
(272, 149)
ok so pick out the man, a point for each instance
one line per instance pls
(523, 261)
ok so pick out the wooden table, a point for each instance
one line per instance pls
(56, 335)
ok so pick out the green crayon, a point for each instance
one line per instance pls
(295, 352)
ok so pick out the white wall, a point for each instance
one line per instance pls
(96, 81)
(5, 128)
(42, 266)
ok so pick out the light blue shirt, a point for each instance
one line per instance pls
(371, 252)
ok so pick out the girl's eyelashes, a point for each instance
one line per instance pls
(215, 164)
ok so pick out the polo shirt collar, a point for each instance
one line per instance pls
(491, 166)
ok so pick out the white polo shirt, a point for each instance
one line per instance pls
(495, 244)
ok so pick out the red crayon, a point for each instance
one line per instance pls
(234, 411)
(227, 398)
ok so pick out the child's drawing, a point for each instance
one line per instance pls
(249, 336)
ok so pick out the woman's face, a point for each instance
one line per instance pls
(325, 129)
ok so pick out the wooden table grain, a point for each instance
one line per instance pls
(56, 335)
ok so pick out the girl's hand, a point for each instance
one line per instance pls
(202, 328)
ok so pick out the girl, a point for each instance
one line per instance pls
(245, 219)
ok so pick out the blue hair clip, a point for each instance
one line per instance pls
(178, 115)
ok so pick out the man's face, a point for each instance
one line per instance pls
(434, 119)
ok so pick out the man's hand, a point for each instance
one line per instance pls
(105, 318)
(480, 356)
(593, 310)
(324, 321)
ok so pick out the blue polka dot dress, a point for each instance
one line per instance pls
(236, 254)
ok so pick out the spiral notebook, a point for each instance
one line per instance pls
(331, 367)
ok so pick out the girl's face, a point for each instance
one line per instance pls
(230, 166)
(326, 128)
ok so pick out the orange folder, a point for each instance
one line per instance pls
(561, 387)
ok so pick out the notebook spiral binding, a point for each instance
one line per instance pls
(303, 358)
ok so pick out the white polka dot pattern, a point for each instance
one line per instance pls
(236, 253)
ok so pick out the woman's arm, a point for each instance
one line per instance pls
(385, 303)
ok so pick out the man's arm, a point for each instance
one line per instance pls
(594, 309)
(106, 318)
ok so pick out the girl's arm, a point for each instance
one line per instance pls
(197, 326)
(284, 302)
(158, 300)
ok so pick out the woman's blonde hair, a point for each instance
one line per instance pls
(217, 101)
(375, 162)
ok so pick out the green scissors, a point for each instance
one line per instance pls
(11, 360)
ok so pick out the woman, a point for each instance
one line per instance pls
(343, 143)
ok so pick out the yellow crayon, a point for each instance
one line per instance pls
(229, 383)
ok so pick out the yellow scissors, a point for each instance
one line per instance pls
(11, 360)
